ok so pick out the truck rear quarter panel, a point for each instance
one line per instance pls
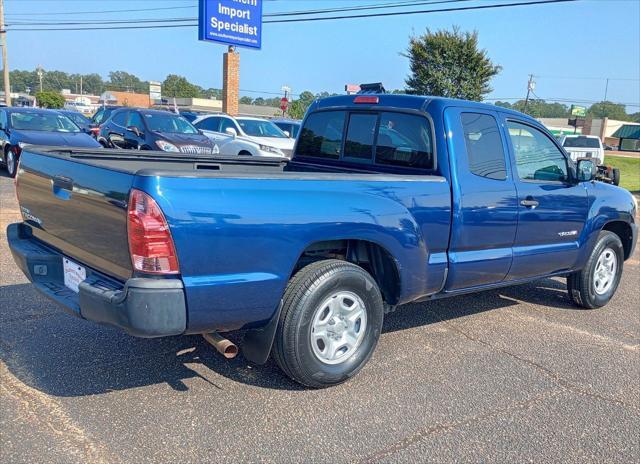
(238, 239)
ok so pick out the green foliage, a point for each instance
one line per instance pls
(607, 109)
(449, 64)
(179, 87)
(123, 81)
(50, 99)
(246, 100)
(538, 108)
(635, 117)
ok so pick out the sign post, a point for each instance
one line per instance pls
(231, 22)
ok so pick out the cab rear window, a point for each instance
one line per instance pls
(381, 138)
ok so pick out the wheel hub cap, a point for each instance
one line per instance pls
(338, 327)
(605, 271)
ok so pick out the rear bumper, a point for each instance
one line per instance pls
(142, 307)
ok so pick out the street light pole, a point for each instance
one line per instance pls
(3, 44)
(530, 86)
(40, 73)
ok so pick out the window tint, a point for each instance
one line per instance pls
(210, 124)
(322, 135)
(404, 140)
(226, 123)
(360, 135)
(537, 158)
(295, 128)
(3, 119)
(135, 120)
(484, 146)
(120, 118)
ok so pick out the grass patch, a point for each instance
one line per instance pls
(629, 171)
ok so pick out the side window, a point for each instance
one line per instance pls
(321, 135)
(135, 120)
(295, 128)
(484, 146)
(3, 119)
(99, 116)
(537, 157)
(120, 118)
(404, 140)
(361, 132)
(226, 123)
(209, 124)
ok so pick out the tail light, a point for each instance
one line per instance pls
(371, 100)
(150, 242)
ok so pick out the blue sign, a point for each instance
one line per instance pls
(232, 22)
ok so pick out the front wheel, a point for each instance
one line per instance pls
(595, 285)
(330, 323)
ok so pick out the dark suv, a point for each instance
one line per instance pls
(144, 129)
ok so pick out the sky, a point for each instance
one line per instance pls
(571, 48)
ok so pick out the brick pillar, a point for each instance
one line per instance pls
(230, 81)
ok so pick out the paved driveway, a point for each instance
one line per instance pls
(503, 376)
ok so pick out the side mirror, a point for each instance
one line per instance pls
(287, 133)
(587, 170)
(231, 131)
(135, 130)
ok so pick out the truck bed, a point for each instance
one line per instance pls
(239, 226)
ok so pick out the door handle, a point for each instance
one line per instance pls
(62, 187)
(529, 203)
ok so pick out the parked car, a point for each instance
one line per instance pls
(21, 126)
(144, 129)
(265, 138)
(84, 123)
(191, 115)
(290, 127)
(583, 146)
(389, 199)
(81, 107)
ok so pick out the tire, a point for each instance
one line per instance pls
(589, 289)
(321, 292)
(11, 162)
(615, 174)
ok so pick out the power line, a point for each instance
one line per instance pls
(326, 18)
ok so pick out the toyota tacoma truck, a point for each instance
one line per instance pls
(388, 199)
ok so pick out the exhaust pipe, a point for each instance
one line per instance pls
(225, 347)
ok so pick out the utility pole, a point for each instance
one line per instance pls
(80, 85)
(40, 73)
(606, 90)
(530, 86)
(3, 44)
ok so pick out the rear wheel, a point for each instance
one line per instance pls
(595, 285)
(11, 161)
(330, 323)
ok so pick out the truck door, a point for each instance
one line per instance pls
(552, 207)
(485, 204)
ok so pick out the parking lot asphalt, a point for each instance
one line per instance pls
(502, 376)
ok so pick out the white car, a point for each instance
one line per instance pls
(79, 106)
(583, 146)
(245, 136)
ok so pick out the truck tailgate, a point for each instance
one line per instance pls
(78, 208)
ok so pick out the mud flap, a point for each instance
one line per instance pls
(257, 343)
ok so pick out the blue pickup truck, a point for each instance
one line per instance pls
(389, 199)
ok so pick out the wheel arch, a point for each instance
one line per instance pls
(371, 256)
(623, 230)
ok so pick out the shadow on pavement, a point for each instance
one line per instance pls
(65, 356)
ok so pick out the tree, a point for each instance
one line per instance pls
(179, 87)
(449, 64)
(297, 108)
(607, 109)
(50, 99)
(246, 100)
(122, 80)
